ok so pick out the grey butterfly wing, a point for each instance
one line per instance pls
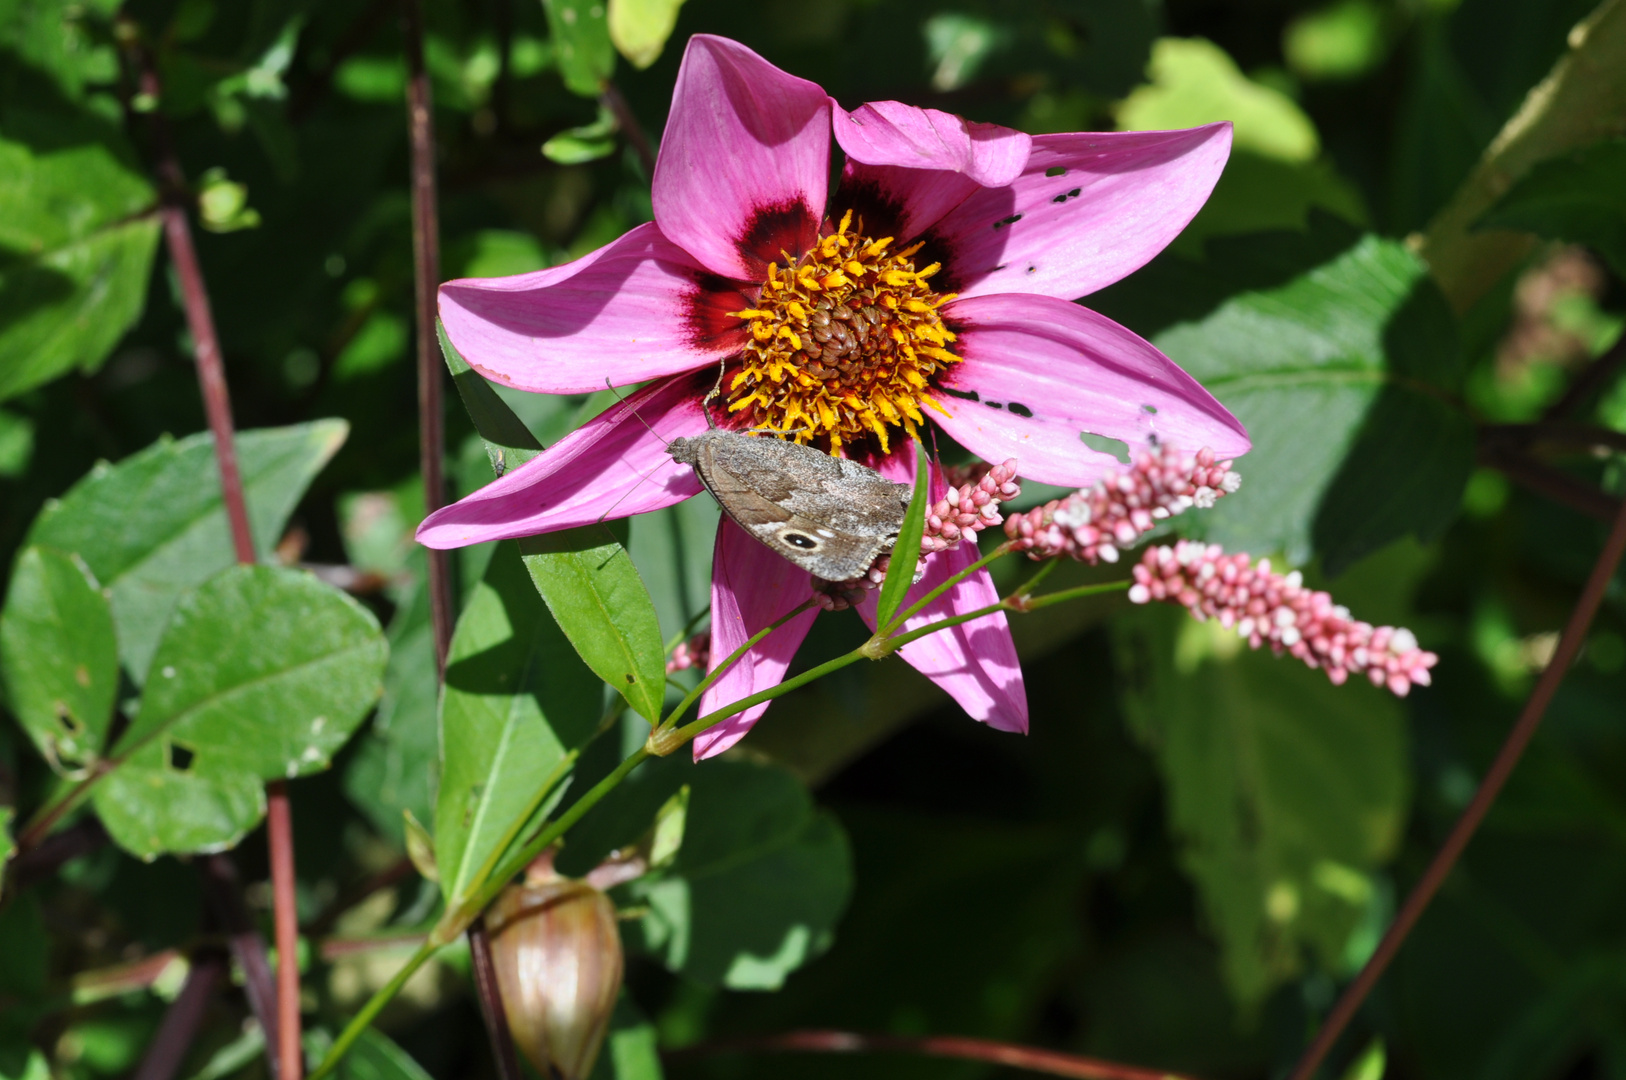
(825, 517)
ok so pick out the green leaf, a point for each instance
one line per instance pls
(8, 845)
(632, 1051)
(517, 707)
(593, 590)
(589, 142)
(262, 673)
(59, 657)
(1580, 197)
(154, 525)
(396, 766)
(1344, 375)
(375, 1056)
(76, 242)
(581, 43)
(1285, 792)
(1194, 81)
(756, 889)
(509, 443)
(900, 575)
(640, 28)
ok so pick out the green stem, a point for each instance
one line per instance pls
(360, 1022)
(1081, 591)
(953, 580)
(689, 731)
(688, 629)
(728, 662)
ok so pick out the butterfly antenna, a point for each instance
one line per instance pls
(632, 410)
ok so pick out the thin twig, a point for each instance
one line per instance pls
(222, 891)
(1031, 1058)
(80, 838)
(1569, 645)
(425, 280)
(175, 200)
(357, 893)
(1554, 433)
(485, 979)
(279, 827)
(431, 437)
(1548, 481)
(1598, 374)
(184, 1016)
(617, 104)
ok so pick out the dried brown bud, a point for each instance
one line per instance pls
(557, 952)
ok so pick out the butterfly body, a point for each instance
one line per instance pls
(830, 516)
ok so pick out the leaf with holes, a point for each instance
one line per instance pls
(59, 657)
(518, 706)
(154, 525)
(262, 673)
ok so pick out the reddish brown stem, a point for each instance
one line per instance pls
(183, 1017)
(217, 406)
(1031, 1058)
(634, 131)
(426, 278)
(280, 832)
(222, 891)
(1439, 868)
(485, 981)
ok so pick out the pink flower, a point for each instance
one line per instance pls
(1265, 607)
(933, 283)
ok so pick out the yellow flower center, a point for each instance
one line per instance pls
(842, 343)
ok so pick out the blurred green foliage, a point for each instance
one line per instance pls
(1180, 864)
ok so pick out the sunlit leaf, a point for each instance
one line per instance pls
(581, 43)
(262, 673)
(518, 704)
(640, 28)
(900, 574)
(154, 525)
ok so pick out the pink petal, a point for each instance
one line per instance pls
(1118, 199)
(892, 133)
(1039, 371)
(901, 203)
(751, 586)
(744, 166)
(974, 662)
(610, 467)
(638, 308)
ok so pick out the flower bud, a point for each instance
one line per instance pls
(557, 951)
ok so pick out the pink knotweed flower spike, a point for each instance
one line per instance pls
(696, 652)
(1276, 609)
(1095, 524)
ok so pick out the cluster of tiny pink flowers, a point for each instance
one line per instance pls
(970, 506)
(1094, 524)
(694, 653)
(1267, 607)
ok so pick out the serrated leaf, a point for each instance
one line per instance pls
(639, 28)
(1285, 792)
(59, 657)
(518, 704)
(1343, 374)
(900, 575)
(581, 44)
(262, 673)
(595, 593)
(154, 525)
(1580, 197)
(509, 443)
